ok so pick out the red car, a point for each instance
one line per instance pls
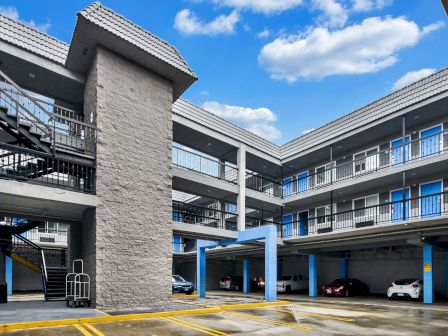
(345, 287)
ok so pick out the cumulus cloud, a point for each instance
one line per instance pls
(261, 6)
(265, 33)
(188, 23)
(256, 120)
(334, 14)
(13, 13)
(368, 5)
(367, 47)
(308, 131)
(411, 77)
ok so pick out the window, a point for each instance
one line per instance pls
(325, 174)
(323, 213)
(366, 161)
(365, 208)
(48, 227)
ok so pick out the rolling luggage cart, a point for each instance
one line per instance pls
(77, 286)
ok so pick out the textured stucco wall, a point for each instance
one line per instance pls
(127, 239)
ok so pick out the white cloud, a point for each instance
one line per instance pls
(261, 6)
(13, 13)
(258, 121)
(368, 5)
(433, 27)
(411, 77)
(366, 47)
(188, 23)
(265, 33)
(334, 14)
(308, 131)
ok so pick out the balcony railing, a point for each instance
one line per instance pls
(23, 164)
(203, 216)
(262, 184)
(47, 236)
(62, 126)
(207, 166)
(424, 207)
(418, 149)
(253, 222)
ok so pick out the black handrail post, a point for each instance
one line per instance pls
(403, 134)
(404, 195)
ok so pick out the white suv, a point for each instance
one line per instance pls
(289, 283)
(410, 288)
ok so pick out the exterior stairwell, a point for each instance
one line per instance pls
(42, 125)
(34, 257)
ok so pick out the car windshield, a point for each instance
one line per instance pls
(223, 279)
(178, 278)
(404, 282)
(340, 281)
(285, 277)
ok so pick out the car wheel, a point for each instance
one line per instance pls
(347, 293)
(288, 289)
(364, 292)
(390, 298)
(236, 288)
(189, 292)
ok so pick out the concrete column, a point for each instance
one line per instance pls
(343, 268)
(241, 202)
(127, 240)
(246, 276)
(270, 260)
(222, 169)
(312, 275)
(8, 274)
(222, 216)
(200, 270)
(428, 282)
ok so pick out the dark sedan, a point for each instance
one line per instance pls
(180, 285)
(345, 287)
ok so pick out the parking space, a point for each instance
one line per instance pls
(298, 317)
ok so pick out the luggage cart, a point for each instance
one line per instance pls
(77, 286)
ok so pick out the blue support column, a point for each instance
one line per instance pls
(200, 268)
(343, 268)
(312, 275)
(446, 275)
(246, 276)
(270, 290)
(8, 277)
(428, 285)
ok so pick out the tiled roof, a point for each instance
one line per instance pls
(32, 40)
(399, 100)
(139, 37)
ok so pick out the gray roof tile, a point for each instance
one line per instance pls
(32, 40)
(134, 34)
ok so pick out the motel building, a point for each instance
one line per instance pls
(101, 159)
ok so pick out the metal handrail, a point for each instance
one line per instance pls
(204, 165)
(435, 204)
(380, 160)
(262, 184)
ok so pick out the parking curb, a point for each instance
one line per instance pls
(137, 316)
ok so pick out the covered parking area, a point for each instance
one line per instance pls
(376, 259)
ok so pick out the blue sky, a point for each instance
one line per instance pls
(279, 67)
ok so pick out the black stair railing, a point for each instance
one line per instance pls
(60, 126)
(24, 164)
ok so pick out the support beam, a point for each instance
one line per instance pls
(270, 260)
(241, 201)
(8, 274)
(246, 276)
(343, 268)
(201, 268)
(428, 284)
(312, 275)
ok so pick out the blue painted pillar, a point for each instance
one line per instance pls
(312, 275)
(446, 275)
(343, 268)
(8, 277)
(428, 285)
(270, 260)
(200, 269)
(246, 276)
